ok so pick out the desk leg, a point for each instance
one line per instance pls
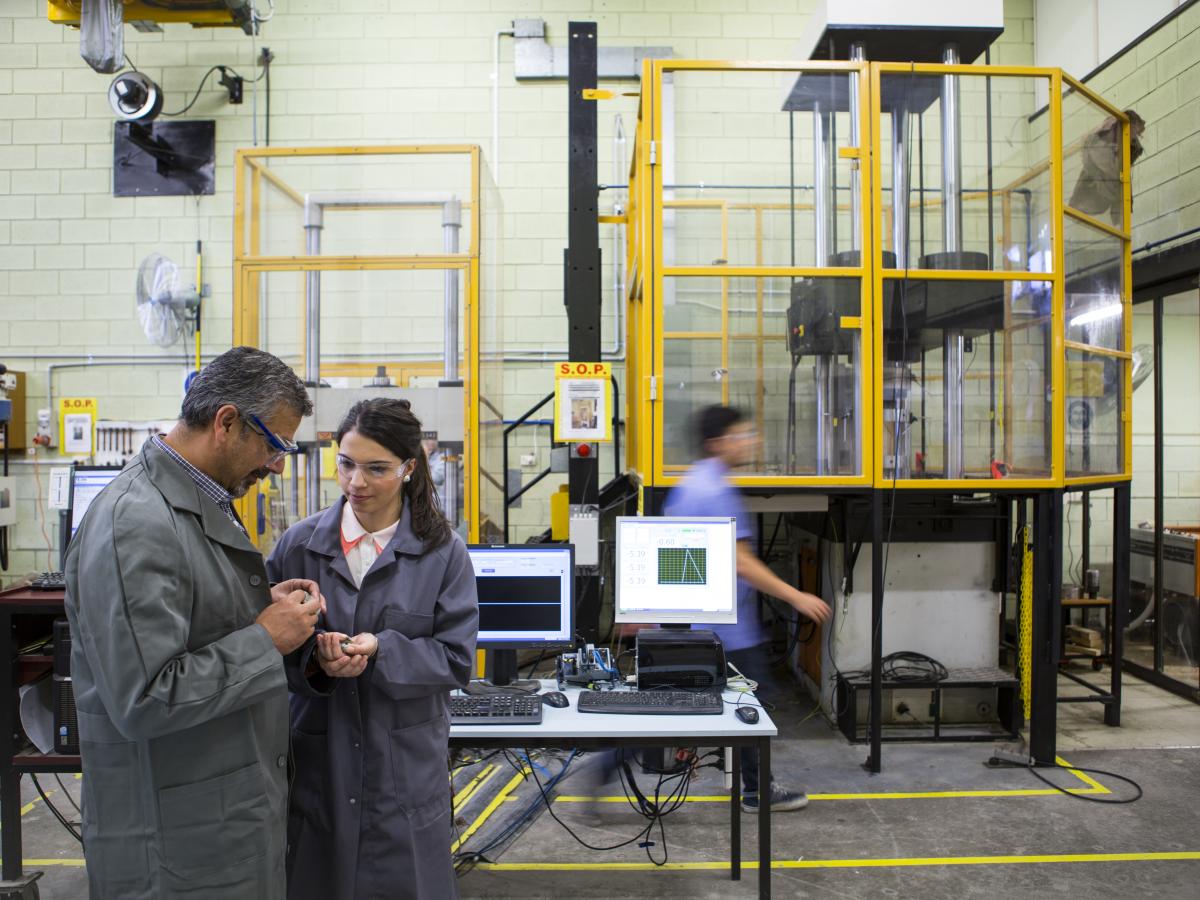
(764, 819)
(10, 780)
(10, 824)
(735, 815)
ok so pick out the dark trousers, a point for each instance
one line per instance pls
(754, 663)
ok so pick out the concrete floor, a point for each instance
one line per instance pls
(1010, 842)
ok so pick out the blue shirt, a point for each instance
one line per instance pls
(707, 491)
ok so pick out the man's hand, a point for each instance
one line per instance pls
(311, 588)
(350, 662)
(812, 606)
(290, 620)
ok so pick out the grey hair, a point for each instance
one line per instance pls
(254, 381)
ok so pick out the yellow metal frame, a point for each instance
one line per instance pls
(251, 170)
(647, 269)
(67, 12)
(646, 450)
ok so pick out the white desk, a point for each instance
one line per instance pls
(570, 729)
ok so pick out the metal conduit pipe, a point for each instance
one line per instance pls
(953, 346)
(858, 53)
(620, 168)
(822, 235)
(451, 227)
(314, 221)
(162, 361)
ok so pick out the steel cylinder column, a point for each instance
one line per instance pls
(314, 221)
(857, 54)
(896, 380)
(451, 229)
(953, 343)
(824, 206)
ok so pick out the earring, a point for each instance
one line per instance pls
(407, 479)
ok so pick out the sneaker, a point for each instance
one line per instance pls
(782, 800)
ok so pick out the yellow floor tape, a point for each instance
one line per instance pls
(1093, 787)
(850, 863)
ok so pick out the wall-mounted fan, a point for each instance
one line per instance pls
(166, 308)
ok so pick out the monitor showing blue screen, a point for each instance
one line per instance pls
(526, 594)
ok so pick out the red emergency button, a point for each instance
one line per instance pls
(584, 450)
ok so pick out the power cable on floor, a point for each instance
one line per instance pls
(62, 820)
(996, 763)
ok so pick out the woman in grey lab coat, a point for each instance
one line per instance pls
(369, 814)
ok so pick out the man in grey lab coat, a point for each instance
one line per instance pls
(178, 649)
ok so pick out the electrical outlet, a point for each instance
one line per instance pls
(529, 460)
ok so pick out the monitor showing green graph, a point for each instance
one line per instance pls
(682, 565)
(674, 570)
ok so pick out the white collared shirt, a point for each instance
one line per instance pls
(362, 547)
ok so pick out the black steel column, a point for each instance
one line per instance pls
(1159, 523)
(764, 819)
(582, 281)
(1119, 610)
(1085, 558)
(10, 779)
(874, 762)
(1047, 624)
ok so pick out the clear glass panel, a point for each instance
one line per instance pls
(1178, 627)
(1004, 214)
(1091, 159)
(691, 381)
(369, 320)
(1095, 393)
(490, 446)
(1095, 268)
(966, 379)
(747, 188)
(784, 359)
(383, 205)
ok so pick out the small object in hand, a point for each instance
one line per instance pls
(307, 598)
(346, 645)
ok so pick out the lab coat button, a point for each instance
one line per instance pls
(352, 801)
(281, 761)
(255, 580)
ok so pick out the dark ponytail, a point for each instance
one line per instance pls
(391, 424)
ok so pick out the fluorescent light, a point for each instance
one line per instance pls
(1096, 314)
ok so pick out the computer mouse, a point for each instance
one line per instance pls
(555, 699)
(747, 714)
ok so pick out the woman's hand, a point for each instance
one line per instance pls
(338, 663)
(364, 644)
(285, 588)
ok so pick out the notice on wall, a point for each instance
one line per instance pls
(582, 402)
(60, 488)
(76, 425)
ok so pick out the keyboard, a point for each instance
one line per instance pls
(49, 581)
(652, 703)
(496, 709)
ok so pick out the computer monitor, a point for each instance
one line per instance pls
(86, 484)
(676, 570)
(526, 600)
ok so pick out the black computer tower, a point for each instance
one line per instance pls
(66, 722)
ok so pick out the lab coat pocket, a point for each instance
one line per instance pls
(217, 822)
(308, 801)
(409, 624)
(419, 769)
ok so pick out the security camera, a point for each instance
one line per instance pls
(133, 96)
